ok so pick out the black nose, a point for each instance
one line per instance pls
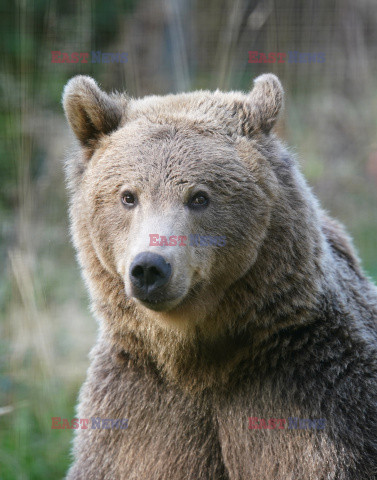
(148, 272)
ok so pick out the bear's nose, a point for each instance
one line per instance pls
(148, 272)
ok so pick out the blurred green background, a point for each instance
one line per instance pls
(330, 121)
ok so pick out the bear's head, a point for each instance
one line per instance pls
(186, 202)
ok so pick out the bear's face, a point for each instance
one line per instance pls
(173, 197)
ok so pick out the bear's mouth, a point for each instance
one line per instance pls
(162, 304)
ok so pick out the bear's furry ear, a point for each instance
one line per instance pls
(90, 111)
(263, 104)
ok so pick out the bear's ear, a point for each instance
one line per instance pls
(90, 111)
(263, 104)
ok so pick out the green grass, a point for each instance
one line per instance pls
(30, 448)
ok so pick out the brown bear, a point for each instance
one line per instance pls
(250, 359)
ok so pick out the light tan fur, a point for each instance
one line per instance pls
(279, 322)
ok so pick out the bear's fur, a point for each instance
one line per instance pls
(280, 322)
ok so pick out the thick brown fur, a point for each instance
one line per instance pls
(280, 322)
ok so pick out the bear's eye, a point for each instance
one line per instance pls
(199, 200)
(128, 199)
